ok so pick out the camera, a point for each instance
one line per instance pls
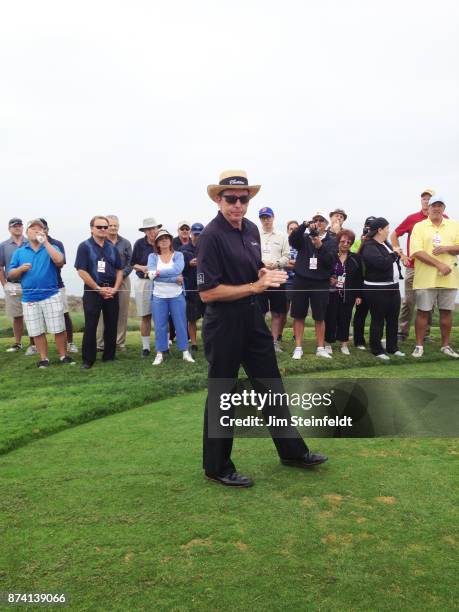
(313, 232)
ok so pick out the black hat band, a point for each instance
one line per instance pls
(234, 180)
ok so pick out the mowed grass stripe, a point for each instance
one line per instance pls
(37, 403)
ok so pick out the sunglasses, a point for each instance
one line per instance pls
(184, 228)
(232, 199)
(101, 227)
(345, 241)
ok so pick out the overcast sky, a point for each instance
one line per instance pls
(134, 107)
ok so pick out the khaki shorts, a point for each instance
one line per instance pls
(65, 303)
(13, 304)
(143, 289)
(444, 298)
(44, 316)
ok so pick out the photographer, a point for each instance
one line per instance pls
(381, 275)
(313, 268)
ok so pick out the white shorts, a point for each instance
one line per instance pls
(44, 316)
(65, 303)
(13, 297)
(143, 289)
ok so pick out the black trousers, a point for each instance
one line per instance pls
(236, 334)
(338, 317)
(93, 305)
(384, 307)
(360, 316)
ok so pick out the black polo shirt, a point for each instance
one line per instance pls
(89, 253)
(227, 255)
(142, 249)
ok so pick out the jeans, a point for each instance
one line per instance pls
(162, 308)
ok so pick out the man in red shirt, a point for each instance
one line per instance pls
(406, 227)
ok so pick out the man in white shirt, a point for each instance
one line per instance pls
(275, 254)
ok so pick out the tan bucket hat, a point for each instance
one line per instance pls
(232, 179)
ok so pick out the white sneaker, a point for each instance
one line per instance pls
(72, 347)
(418, 352)
(187, 357)
(31, 350)
(447, 350)
(14, 349)
(361, 347)
(158, 359)
(345, 350)
(383, 356)
(322, 352)
(398, 354)
(277, 348)
(329, 349)
(297, 353)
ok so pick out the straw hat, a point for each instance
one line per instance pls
(232, 179)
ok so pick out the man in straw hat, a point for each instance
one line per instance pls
(230, 276)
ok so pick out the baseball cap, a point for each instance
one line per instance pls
(197, 228)
(369, 219)
(35, 222)
(182, 223)
(320, 213)
(266, 212)
(436, 201)
(430, 191)
(14, 221)
(45, 222)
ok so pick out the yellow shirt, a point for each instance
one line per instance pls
(425, 237)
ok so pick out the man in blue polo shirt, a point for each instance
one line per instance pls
(99, 266)
(35, 265)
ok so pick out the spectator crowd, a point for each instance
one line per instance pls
(341, 279)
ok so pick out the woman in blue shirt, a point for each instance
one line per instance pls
(165, 268)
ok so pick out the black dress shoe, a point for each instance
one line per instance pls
(232, 480)
(145, 353)
(309, 460)
(86, 366)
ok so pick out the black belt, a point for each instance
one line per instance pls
(247, 301)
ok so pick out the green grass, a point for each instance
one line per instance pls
(117, 514)
(36, 403)
(115, 510)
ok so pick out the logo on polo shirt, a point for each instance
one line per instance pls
(201, 278)
(254, 243)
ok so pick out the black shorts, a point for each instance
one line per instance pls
(195, 307)
(273, 300)
(307, 291)
(289, 291)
